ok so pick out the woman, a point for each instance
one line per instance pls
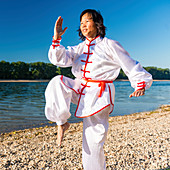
(96, 63)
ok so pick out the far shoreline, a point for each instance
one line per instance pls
(32, 81)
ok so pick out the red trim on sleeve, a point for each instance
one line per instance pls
(56, 43)
(141, 85)
(56, 39)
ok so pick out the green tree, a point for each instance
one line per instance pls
(40, 70)
(5, 70)
(67, 72)
(37, 70)
(122, 75)
(159, 73)
(19, 70)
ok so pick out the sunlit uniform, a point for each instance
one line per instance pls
(95, 64)
(100, 59)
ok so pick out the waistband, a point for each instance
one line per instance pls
(102, 84)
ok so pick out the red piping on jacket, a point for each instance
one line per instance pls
(88, 53)
(92, 39)
(81, 93)
(68, 86)
(110, 96)
(99, 109)
(90, 44)
(102, 84)
(93, 113)
(86, 61)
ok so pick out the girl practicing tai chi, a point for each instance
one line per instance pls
(96, 63)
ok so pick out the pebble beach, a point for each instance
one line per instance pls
(137, 141)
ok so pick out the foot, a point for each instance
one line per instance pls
(61, 130)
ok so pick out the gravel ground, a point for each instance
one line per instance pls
(137, 141)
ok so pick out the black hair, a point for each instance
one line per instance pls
(98, 20)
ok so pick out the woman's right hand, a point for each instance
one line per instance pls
(58, 31)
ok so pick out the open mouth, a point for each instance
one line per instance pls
(84, 30)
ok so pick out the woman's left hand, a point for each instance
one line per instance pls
(138, 93)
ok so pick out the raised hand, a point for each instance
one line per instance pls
(58, 31)
(138, 93)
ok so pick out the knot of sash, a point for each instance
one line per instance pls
(102, 84)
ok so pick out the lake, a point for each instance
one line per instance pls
(22, 103)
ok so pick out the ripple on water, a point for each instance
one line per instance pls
(22, 104)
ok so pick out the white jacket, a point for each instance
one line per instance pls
(100, 59)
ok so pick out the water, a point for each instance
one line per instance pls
(22, 104)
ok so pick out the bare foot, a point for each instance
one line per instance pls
(61, 130)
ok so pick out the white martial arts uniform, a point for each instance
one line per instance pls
(95, 64)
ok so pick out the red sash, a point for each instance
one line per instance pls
(102, 84)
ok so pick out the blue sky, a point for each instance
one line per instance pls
(142, 27)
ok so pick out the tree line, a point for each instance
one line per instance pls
(42, 71)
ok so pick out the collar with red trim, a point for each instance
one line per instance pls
(94, 41)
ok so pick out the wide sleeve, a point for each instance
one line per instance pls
(137, 75)
(60, 56)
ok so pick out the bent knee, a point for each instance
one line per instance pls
(52, 83)
(56, 78)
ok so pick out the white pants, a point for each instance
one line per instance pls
(94, 135)
(58, 99)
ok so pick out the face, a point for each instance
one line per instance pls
(88, 27)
